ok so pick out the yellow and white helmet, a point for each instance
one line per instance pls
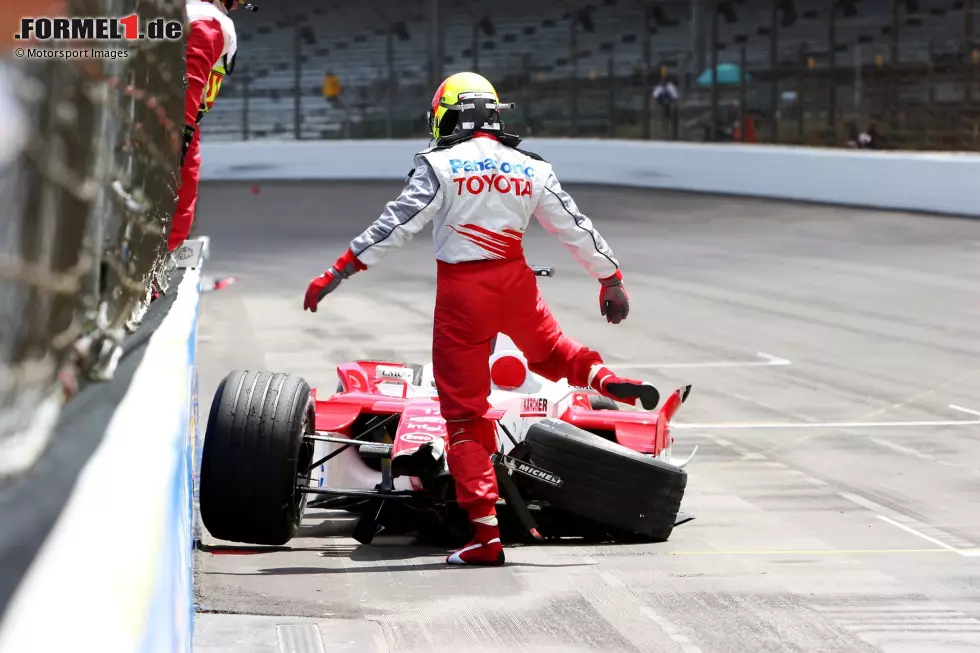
(447, 110)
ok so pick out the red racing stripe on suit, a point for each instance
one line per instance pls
(506, 246)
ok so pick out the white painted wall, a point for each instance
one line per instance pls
(930, 182)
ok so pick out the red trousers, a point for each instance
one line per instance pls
(190, 174)
(475, 302)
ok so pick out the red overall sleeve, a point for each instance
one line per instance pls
(204, 45)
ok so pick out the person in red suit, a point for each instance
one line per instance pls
(480, 191)
(211, 49)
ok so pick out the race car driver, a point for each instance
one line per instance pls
(480, 192)
(211, 48)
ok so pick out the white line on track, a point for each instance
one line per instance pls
(968, 411)
(864, 503)
(909, 451)
(825, 425)
(909, 529)
(611, 580)
(967, 549)
(767, 361)
(820, 425)
(671, 630)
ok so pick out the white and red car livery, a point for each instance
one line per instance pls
(519, 398)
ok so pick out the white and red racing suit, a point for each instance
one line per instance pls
(211, 48)
(480, 196)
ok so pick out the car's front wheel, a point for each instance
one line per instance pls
(255, 455)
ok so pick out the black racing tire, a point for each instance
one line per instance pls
(598, 402)
(254, 453)
(634, 495)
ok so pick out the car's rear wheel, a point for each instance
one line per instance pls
(632, 495)
(255, 455)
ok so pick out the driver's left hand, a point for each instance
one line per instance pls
(614, 303)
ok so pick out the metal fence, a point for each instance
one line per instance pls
(89, 155)
(904, 72)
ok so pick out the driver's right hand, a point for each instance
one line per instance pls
(326, 283)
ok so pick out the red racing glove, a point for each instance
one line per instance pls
(327, 282)
(613, 300)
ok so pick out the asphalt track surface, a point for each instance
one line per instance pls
(835, 488)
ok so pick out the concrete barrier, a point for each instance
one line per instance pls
(929, 181)
(115, 574)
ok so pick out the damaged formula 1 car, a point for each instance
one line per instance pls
(570, 463)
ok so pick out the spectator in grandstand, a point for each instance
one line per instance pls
(749, 136)
(210, 50)
(480, 191)
(741, 117)
(874, 139)
(870, 139)
(331, 87)
(666, 95)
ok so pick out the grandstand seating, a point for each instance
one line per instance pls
(528, 55)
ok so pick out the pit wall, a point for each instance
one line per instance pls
(115, 574)
(931, 182)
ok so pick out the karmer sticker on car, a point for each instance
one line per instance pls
(534, 407)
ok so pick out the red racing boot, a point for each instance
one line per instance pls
(617, 388)
(484, 548)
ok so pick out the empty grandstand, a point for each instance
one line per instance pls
(809, 69)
